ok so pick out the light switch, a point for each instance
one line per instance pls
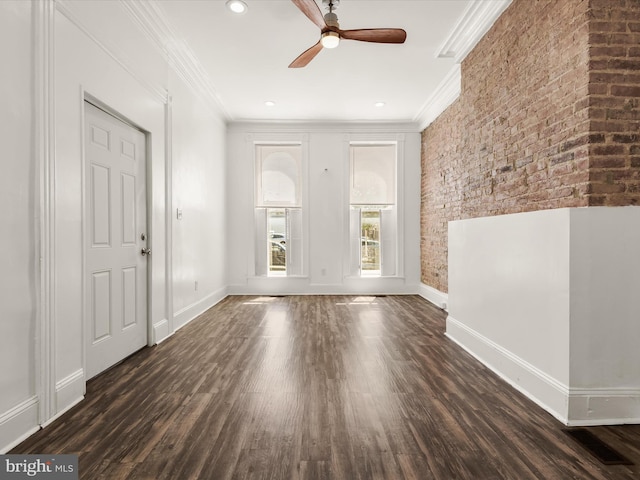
(179, 214)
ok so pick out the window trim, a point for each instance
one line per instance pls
(374, 139)
(277, 139)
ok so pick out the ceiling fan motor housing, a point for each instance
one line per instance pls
(331, 19)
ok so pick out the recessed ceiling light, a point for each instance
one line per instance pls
(269, 103)
(379, 104)
(237, 6)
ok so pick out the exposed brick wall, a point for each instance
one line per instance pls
(537, 125)
(614, 97)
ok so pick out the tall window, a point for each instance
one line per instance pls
(278, 208)
(373, 213)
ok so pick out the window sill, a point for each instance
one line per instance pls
(283, 277)
(373, 277)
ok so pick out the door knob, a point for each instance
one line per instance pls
(145, 251)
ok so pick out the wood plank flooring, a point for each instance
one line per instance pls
(317, 387)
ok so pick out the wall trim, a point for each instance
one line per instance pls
(544, 390)
(161, 331)
(18, 423)
(66, 9)
(62, 412)
(168, 198)
(154, 24)
(435, 296)
(447, 91)
(603, 406)
(301, 286)
(475, 22)
(69, 391)
(44, 88)
(294, 126)
(190, 312)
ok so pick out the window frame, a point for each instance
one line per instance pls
(260, 263)
(395, 259)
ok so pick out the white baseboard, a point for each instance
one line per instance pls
(301, 286)
(61, 412)
(435, 296)
(605, 406)
(536, 385)
(161, 331)
(186, 314)
(18, 423)
(572, 406)
(69, 391)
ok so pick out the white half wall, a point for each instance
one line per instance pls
(509, 298)
(546, 300)
(605, 315)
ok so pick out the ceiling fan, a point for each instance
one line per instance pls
(331, 34)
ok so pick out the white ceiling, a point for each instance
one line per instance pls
(244, 58)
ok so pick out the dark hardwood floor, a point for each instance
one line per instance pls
(318, 387)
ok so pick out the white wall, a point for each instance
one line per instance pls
(509, 298)
(326, 160)
(605, 315)
(549, 301)
(18, 257)
(115, 63)
(100, 76)
(199, 191)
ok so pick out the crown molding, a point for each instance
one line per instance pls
(153, 22)
(302, 126)
(444, 95)
(475, 22)
(67, 10)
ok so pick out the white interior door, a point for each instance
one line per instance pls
(116, 234)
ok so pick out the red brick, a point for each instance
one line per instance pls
(626, 90)
(626, 138)
(606, 188)
(622, 199)
(607, 162)
(598, 27)
(613, 77)
(531, 132)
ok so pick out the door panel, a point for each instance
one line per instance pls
(129, 297)
(116, 271)
(128, 207)
(100, 203)
(101, 311)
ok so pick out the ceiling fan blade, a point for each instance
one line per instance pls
(376, 35)
(312, 11)
(306, 56)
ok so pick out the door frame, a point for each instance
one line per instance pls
(88, 98)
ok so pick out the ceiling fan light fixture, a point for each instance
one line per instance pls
(237, 6)
(330, 39)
